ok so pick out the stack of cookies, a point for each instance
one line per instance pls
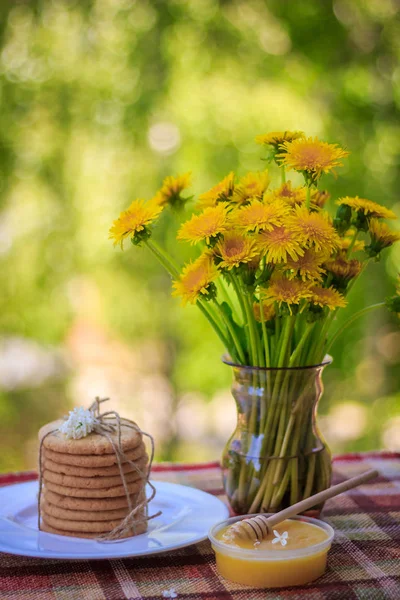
(83, 493)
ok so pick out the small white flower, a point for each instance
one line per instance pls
(170, 593)
(280, 538)
(79, 424)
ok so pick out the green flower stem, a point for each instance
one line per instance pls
(353, 241)
(258, 408)
(300, 398)
(277, 333)
(285, 444)
(266, 344)
(260, 347)
(279, 492)
(269, 488)
(279, 339)
(163, 258)
(283, 174)
(252, 333)
(267, 363)
(221, 288)
(257, 360)
(292, 467)
(244, 479)
(283, 439)
(274, 412)
(349, 321)
(255, 505)
(297, 352)
(283, 414)
(308, 196)
(286, 338)
(238, 348)
(282, 348)
(236, 286)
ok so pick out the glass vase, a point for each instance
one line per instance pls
(276, 456)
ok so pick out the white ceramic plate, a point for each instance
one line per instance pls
(187, 515)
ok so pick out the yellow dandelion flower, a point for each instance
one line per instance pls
(367, 207)
(327, 297)
(291, 195)
(276, 138)
(219, 193)
(268, 311)
(381, 237)
(208, 224)
(279, 244)
(196, 279)
(170, 192)
(235, 249)
(258, 216)
(308, 266)
(134, 222)
(286, 291)
(313, 229)
(252, 185)
(311, 156)
(342, 268)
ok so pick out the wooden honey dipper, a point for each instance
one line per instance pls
(258, 527)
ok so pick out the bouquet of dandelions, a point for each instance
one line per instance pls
(273, 271)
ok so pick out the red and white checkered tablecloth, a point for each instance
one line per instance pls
(364, 563)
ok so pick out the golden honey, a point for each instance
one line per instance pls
(296, 554)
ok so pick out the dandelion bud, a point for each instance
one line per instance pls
(393, 304)
(141, 236)
(314, 313)
(343, 218)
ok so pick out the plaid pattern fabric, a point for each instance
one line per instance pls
(364, 562)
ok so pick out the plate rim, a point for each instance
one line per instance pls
(89, 555)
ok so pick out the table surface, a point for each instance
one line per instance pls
(364, 562)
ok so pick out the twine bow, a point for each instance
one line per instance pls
(106, 424)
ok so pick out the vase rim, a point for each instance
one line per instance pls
(228, 361)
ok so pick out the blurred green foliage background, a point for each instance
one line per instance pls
(101, 100)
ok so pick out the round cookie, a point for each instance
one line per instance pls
(94, 443)
(82, 526)
(79, 460)
(89, 504)
(83, 515)
(90, 482)
(142, 528)
(91, 472)
(108, 492)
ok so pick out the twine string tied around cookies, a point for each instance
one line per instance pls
(109, 425)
